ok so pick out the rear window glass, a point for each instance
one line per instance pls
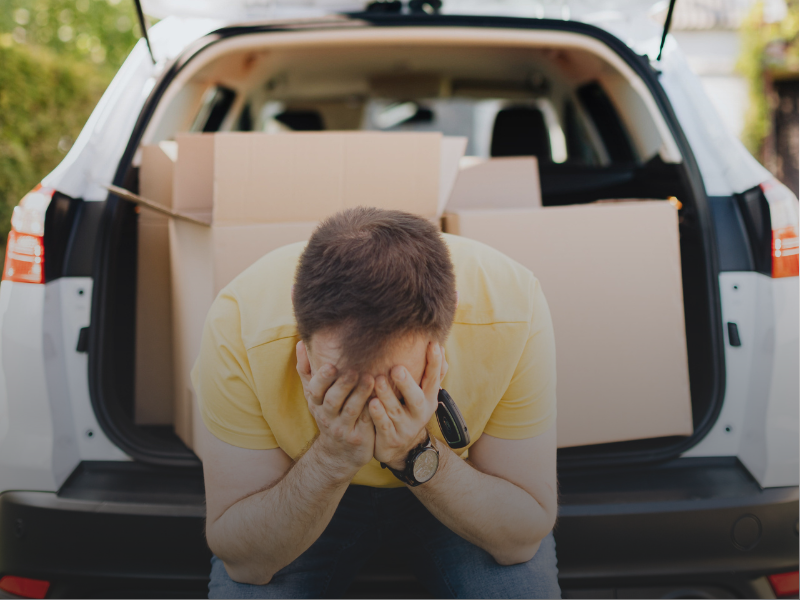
(568, 133)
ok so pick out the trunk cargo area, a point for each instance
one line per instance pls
(593, 139)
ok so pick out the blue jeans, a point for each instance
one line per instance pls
(446, 564)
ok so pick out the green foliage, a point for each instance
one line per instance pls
(44, 102)
(100, 32)
(57, 58)
(768, 50)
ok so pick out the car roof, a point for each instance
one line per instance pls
(260, 9)
(633, 21)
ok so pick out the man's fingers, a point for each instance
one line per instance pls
(338, 392)
(445, 366)
(354, 405)
(365, 417)
(388, 399)
(412, 394)
(322, 380)
(383, 423)
(433, 370)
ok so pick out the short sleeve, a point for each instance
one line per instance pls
(528, 406)
(223, 381)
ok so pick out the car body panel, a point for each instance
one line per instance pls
(73, 295)
(779, 435)
(738, 293)
(28, 448)
(725, 164)
(45, 411)
(630, 20)
(759, 419)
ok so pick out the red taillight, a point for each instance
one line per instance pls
(785, 585)
(784, 252)
(22, 586)
(783, 214)
(24, 258)
(25, 249)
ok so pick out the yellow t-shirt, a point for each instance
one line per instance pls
(500, 352)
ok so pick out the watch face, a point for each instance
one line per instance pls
(425, 465)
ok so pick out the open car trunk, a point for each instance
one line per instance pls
(605, 130)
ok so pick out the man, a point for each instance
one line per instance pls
(321, 364)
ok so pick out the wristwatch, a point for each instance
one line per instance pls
(421, 464)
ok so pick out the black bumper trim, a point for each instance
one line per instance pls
(130, 526)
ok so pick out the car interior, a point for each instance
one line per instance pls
(592, 136)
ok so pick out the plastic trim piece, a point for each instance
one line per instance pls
(59, 221)
(734, 249)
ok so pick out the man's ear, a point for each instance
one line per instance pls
(303, 363)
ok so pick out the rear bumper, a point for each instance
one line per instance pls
(688, 517)
(114, 529)
(125, 527)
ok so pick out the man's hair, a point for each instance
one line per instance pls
(373, 276)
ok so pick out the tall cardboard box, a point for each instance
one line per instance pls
(506, 182)
(153, 383)
(250, 193)
(612, 277)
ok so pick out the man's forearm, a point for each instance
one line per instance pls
(488, 511)
(262, 533)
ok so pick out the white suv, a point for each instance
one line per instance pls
(94, 504)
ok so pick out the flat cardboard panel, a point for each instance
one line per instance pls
(153, 380)
(612, 277)
(236, 247)
(304, 176)
(399, 171)
(277, 178)
(453, 149)
(192, 258)
(204, 260)
(153, 384)
(511, 182)
(156, 173)
(194, 174)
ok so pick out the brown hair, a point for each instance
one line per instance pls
(374, 276)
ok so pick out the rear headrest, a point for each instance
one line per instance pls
(521, 131)
(301, 120)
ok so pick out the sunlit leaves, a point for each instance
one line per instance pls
(97, 31)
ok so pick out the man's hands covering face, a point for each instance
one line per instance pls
(338, 403)
(351, 430)
(400, 427)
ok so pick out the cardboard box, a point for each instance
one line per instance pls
(156, 172)
(237, 196)
(612, 277)
(511, 182)
(306, 176)
(204, 260)
(153, 383)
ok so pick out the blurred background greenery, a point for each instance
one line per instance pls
(769, 63)
(767, 49)
(56, 59)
